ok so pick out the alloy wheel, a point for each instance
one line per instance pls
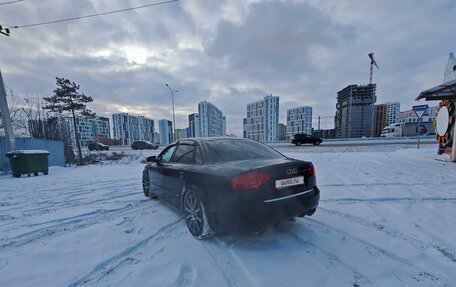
(145, 184)
(194, 214)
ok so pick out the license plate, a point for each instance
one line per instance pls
(282, 183)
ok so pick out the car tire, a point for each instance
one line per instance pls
(195, 216)
(146, 186)
(316, 143)
(298, 143)
(311, 212)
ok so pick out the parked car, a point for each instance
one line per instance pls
(144, 145)
(97, 146)
(229, 184)
(299, 139)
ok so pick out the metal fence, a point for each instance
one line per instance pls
(55, 148)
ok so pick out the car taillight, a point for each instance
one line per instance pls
(312, 170)
(249, 180)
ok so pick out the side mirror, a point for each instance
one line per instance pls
(151, 158)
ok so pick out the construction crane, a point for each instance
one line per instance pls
(373, 62)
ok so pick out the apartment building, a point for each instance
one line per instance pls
(299, 121)
(166, 131)
(211, 120)
(262, 121)
(128, 128)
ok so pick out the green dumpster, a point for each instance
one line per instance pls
(28, 162)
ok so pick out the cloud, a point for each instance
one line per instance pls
(230, 53)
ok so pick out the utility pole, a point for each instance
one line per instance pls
(319, 126)
(174, 117)
(10, 143)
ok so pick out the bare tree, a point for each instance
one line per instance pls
(18, 120)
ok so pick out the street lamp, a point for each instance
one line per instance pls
(174, 118)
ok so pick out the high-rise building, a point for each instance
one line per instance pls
(211, 120)
(262, 121)
(184, 133)
(393, 110)
(282, 132)
(166, 132)
(194, 125)
(379, 119)
(89, 129)
(128, 128)
(355, 108)
(299, 121)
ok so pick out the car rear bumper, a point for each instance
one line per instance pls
(250, 216)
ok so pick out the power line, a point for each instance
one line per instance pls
(11, 2)
(92, 15)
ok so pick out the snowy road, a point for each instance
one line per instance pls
(386, 218)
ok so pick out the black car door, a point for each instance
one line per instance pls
(176, 170)
(156, 172)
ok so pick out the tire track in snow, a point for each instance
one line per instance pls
(54, 206)
(450, 255)
(128, 256)
(384, 184)
(71, 224)
(414, 271)
(392, 200)
(358, 277)
(232, 269)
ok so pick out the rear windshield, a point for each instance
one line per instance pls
(231, 150)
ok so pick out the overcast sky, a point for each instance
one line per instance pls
(229, 53)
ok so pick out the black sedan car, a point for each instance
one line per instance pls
(143, 145)
(299, 139)
(230, 184)
(97, 146)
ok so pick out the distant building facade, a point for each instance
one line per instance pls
(128, 128)
(194, 125)
(325, 134)
(410, 116)
(355, 108)
(184, 133)
(211, 120)
(282, 132)
(165, 131)
(393, 111)
(379, 119)
(299, 121)
(262, 121)
(88, 129)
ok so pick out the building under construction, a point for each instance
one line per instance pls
(355, 108)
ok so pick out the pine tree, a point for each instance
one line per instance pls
(67, 98)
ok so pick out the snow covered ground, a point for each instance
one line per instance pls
(386, 218)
